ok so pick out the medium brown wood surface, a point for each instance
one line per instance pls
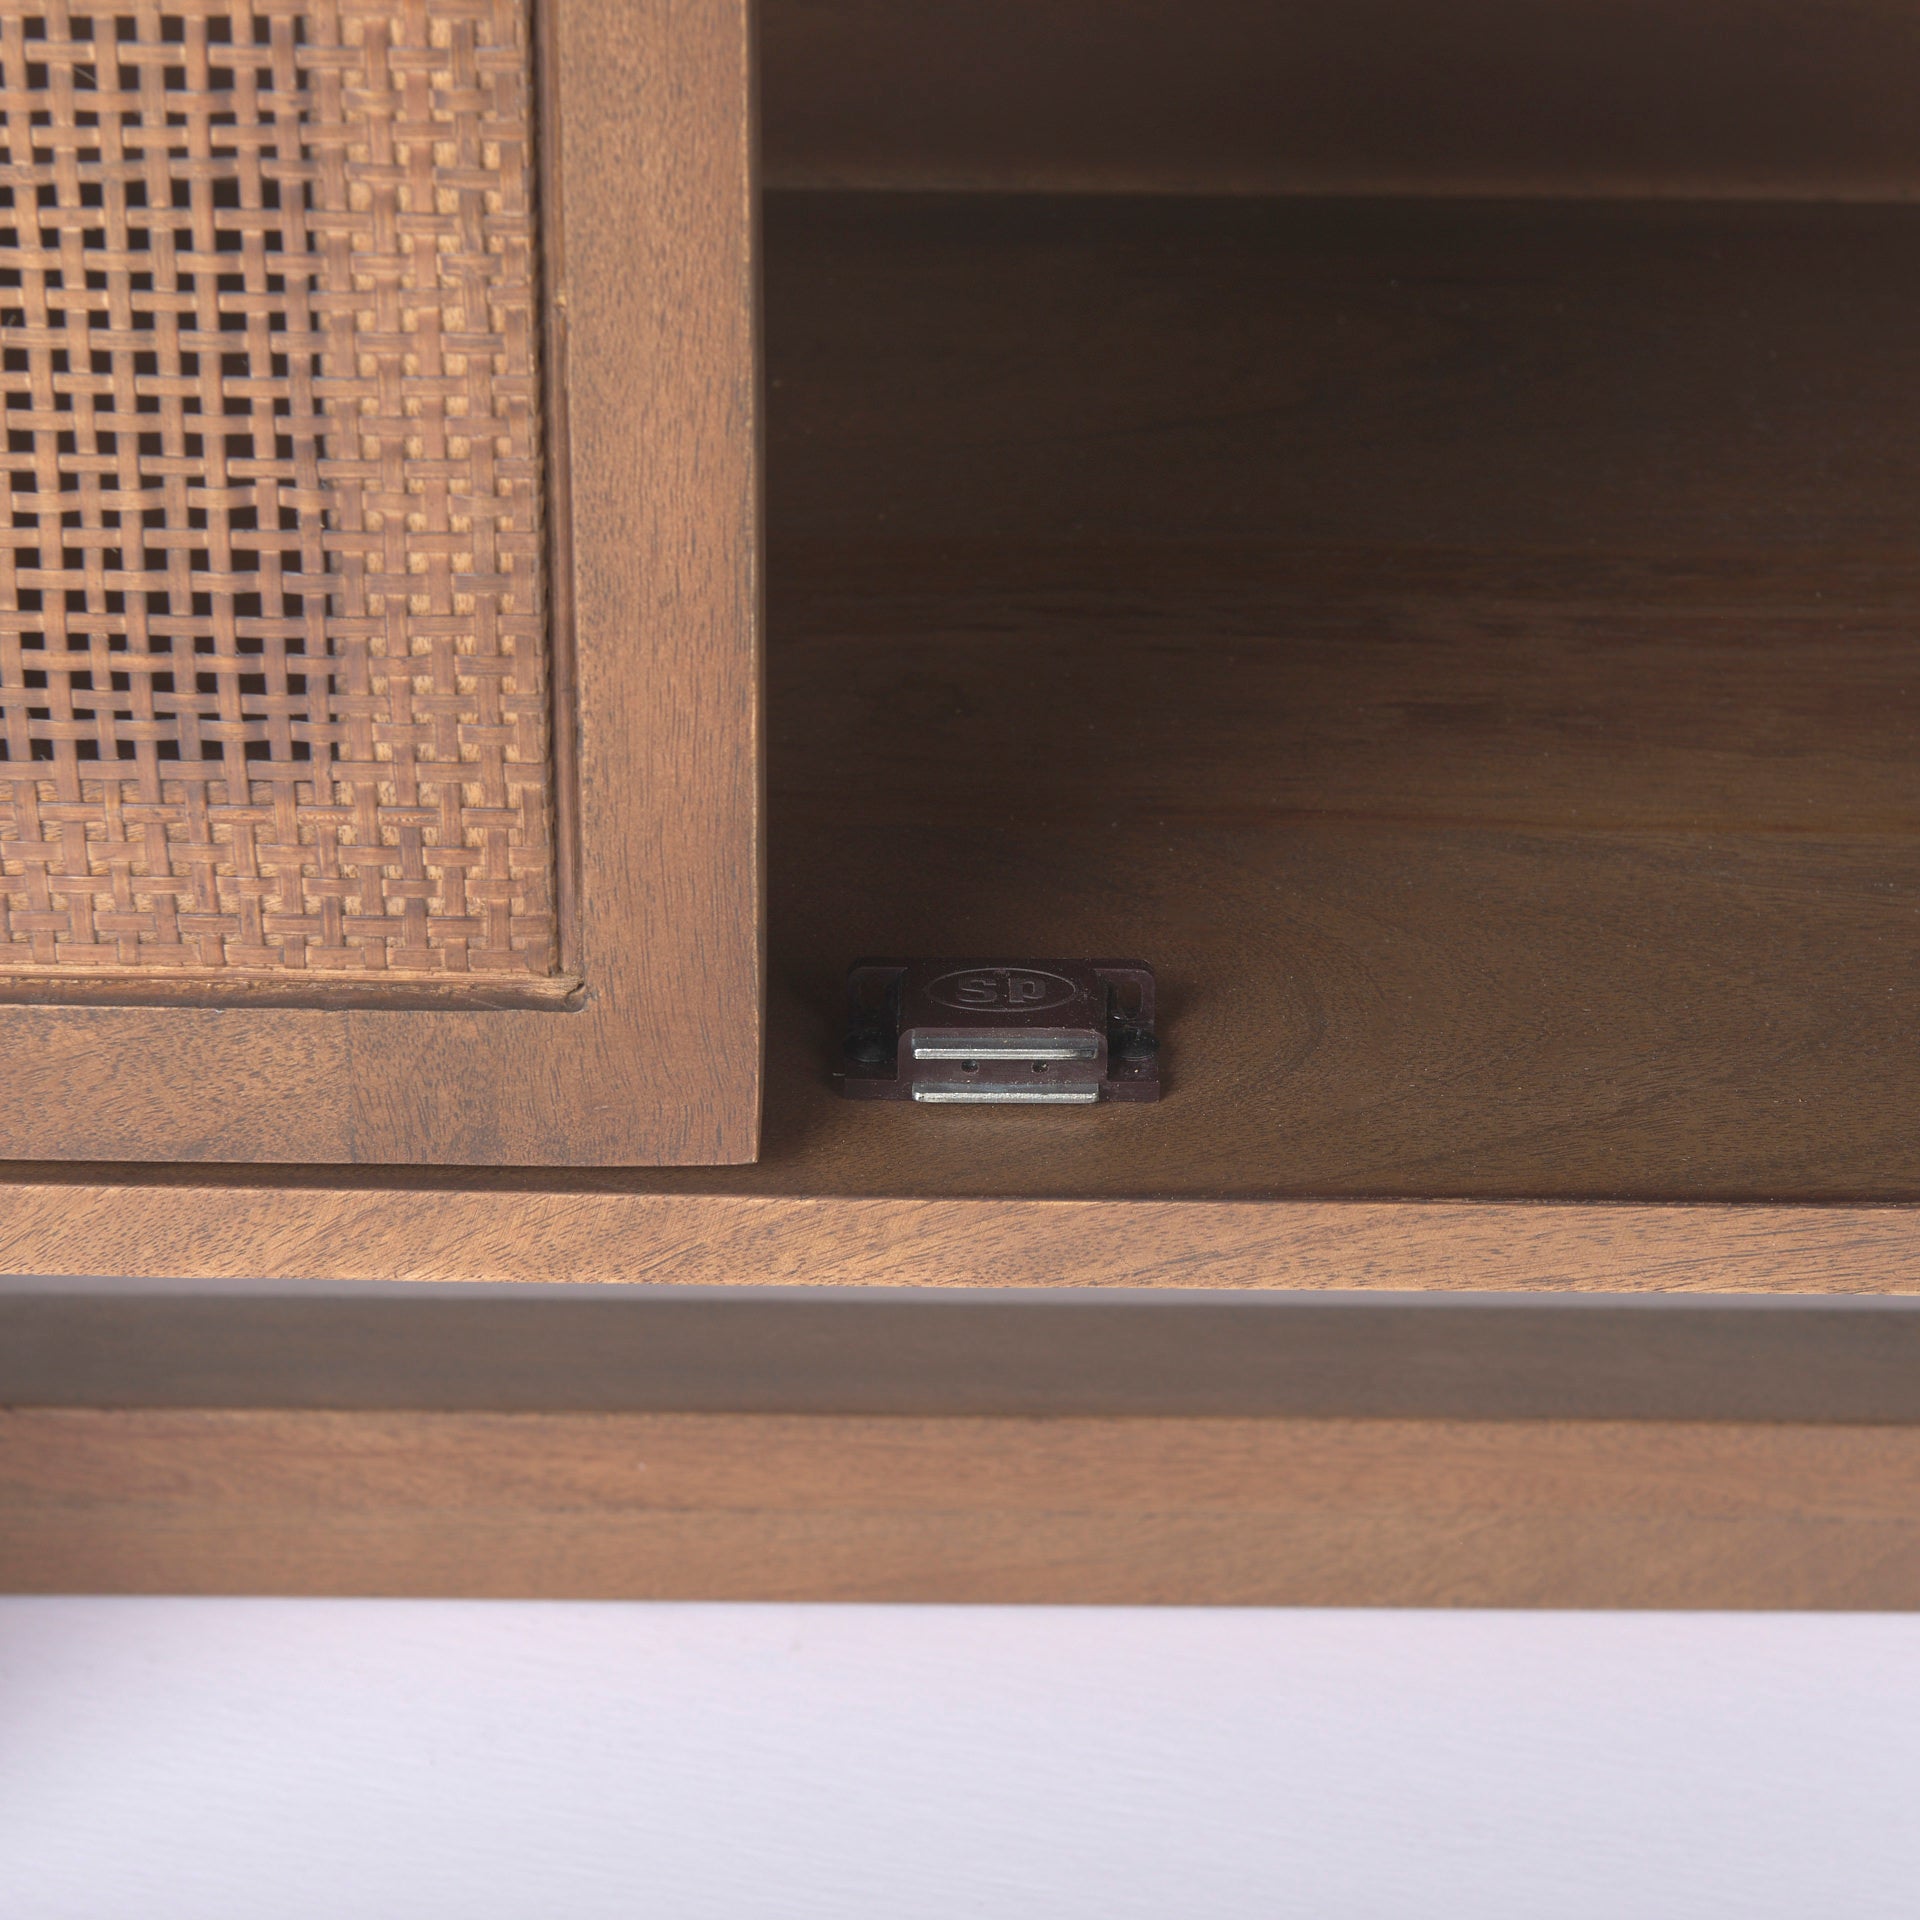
(1468, 649)
(1217, 1512)
(198, 1230)
(1749, 98)
(647, 160)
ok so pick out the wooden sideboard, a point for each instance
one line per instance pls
(1406, 520)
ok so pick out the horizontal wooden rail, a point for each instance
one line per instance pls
(641, 1227)
(1337, 1512)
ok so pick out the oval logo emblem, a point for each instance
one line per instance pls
(1000, 990)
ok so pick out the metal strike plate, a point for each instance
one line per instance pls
(1011, 1033)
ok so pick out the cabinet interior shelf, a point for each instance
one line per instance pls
(1469, 647)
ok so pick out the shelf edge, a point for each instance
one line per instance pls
(59, 1227)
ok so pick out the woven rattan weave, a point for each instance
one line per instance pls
(273, 685)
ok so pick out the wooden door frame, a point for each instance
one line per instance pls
(649, 263)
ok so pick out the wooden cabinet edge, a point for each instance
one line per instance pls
(1279, 1512)
(187, 1229)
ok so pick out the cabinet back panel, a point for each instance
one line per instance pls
(1467, 647)
(1732, 98)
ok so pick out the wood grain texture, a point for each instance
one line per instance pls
(88, 1073)
(196, 1230)
(1753, 98)
(1215, 1512)
(648, 271)
(1467, 648)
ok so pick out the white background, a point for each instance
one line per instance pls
(283, 1759)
